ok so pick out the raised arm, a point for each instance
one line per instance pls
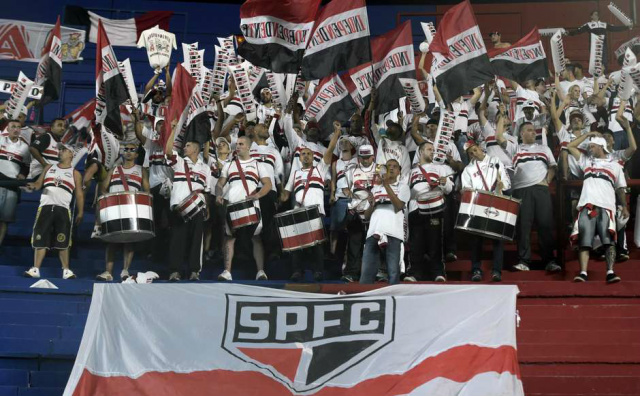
(574, 144)
(79, 193)
(167, 74)
(328, 155)
(629, 151)
(415, 122)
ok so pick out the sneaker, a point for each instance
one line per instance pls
(296, 277)
(348, 278)
(225, 276)
(174, 277)
(194, 276)
(440, 279)
(317, 276)
(33, 272)
(476, 276)
(622, 257)
(553, 267)
(124, 274)
(612, 277)
(582, 277)
(496, 277)
(450, 257)
(521, 267)
(105, 277)
(410, 279)
(97, 231)
(382, 276)
(261, 275)
(68, 274)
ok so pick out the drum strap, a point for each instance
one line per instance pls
(187, 173)
(123, 179)
(306, 185)
(484, 182)
(242, 178)
(426, 178)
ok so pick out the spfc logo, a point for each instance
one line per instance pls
(304, 343)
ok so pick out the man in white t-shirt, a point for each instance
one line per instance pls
(244, 175)
(604, 185)
(386, 226)
(307, 185)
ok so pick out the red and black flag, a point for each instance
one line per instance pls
(276, 33)
(182, 89)
(330, 102)
(460, 57)
(111, 90)
(393, 59)
(522, 61)
(340, 39)
(49, 74)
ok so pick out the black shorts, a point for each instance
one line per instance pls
(52, 229)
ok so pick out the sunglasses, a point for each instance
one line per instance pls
(130, 149)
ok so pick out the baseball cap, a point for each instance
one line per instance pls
(469, 143)
(64, 146)
(366, 150)
(576, 113)
(600, 142)
(433, 121)
(528, 103)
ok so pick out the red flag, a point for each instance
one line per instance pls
(461, 61)
(111, 90)
(522, 61)
(182, 88)
(49, 73)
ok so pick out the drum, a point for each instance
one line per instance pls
(431, 202)
(300, 228)
(193, 204)
(126, 217)
(487, 214)
(242, 214)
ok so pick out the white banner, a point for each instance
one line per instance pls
(7, 87)
(18, 96)
(414, 96)
(125, 70)
(244, 90)
(238, 340)
(26, 41)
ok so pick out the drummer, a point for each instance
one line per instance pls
(125, 177)
(191, 175)
(429, 183)
(484, 173)
(534, 168)
(357, 185)
(307, 184)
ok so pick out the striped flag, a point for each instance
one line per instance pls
(522, 61)
(330, 102)
(49, 73)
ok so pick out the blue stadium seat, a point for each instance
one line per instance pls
(40, 391)
(8, 390)
(20, 347)
(30, 331)
(14, 377)
(18, 363)
(49, 379)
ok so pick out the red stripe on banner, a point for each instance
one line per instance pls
(151, 19)
(124, 199)
(296, 11)
(492, 201)
(302, 239)
(241, 221)
(459, 364)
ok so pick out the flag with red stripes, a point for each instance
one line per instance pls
(111, 90)
(460, 57)
(330, 102)
(49, 72)
(340, 39)
(182, 89)
(276, 33)
(522, 61)
(239, 340)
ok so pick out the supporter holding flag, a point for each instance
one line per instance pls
(276, 33)
(111, 90)
(524, 60)
(460, 57)
(340, 39)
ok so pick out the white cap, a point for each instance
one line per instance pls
(600, 142)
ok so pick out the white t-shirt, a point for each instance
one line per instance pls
(421, 186)
(601, 178)
(384, 219)
(342, 168)
(296, 144)
(253, 171)
(483, 175)
(159, 44)
(531, 163)
(14, 157)
(199, 172)
(273, 161)
(492, 146)
(315, 192)
(522, 96)
(391, 149)
(565, 137)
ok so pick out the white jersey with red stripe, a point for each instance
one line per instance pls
(531, 162)
(524, 95)
(155, 160)
(539, 122)
(199, 177)
(614, 125)
(297, 184)
(565, 137)
(493, 148)
(270, 157)
(424, 182)
(601, 178)
(58, 186)
(297, 144)
(342, 168)
(14, 157)
(132, 175)
(253, 171)
(392, 149)
(619, 157)
(384, 219)
(217, 165)
(483, 175)
(49, 154)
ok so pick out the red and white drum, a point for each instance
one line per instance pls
(487, 214)
(126, 217)
(191, 205)
(243, 214)
(431, 202)
(300, 228)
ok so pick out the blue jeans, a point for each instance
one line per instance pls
(371, 260)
